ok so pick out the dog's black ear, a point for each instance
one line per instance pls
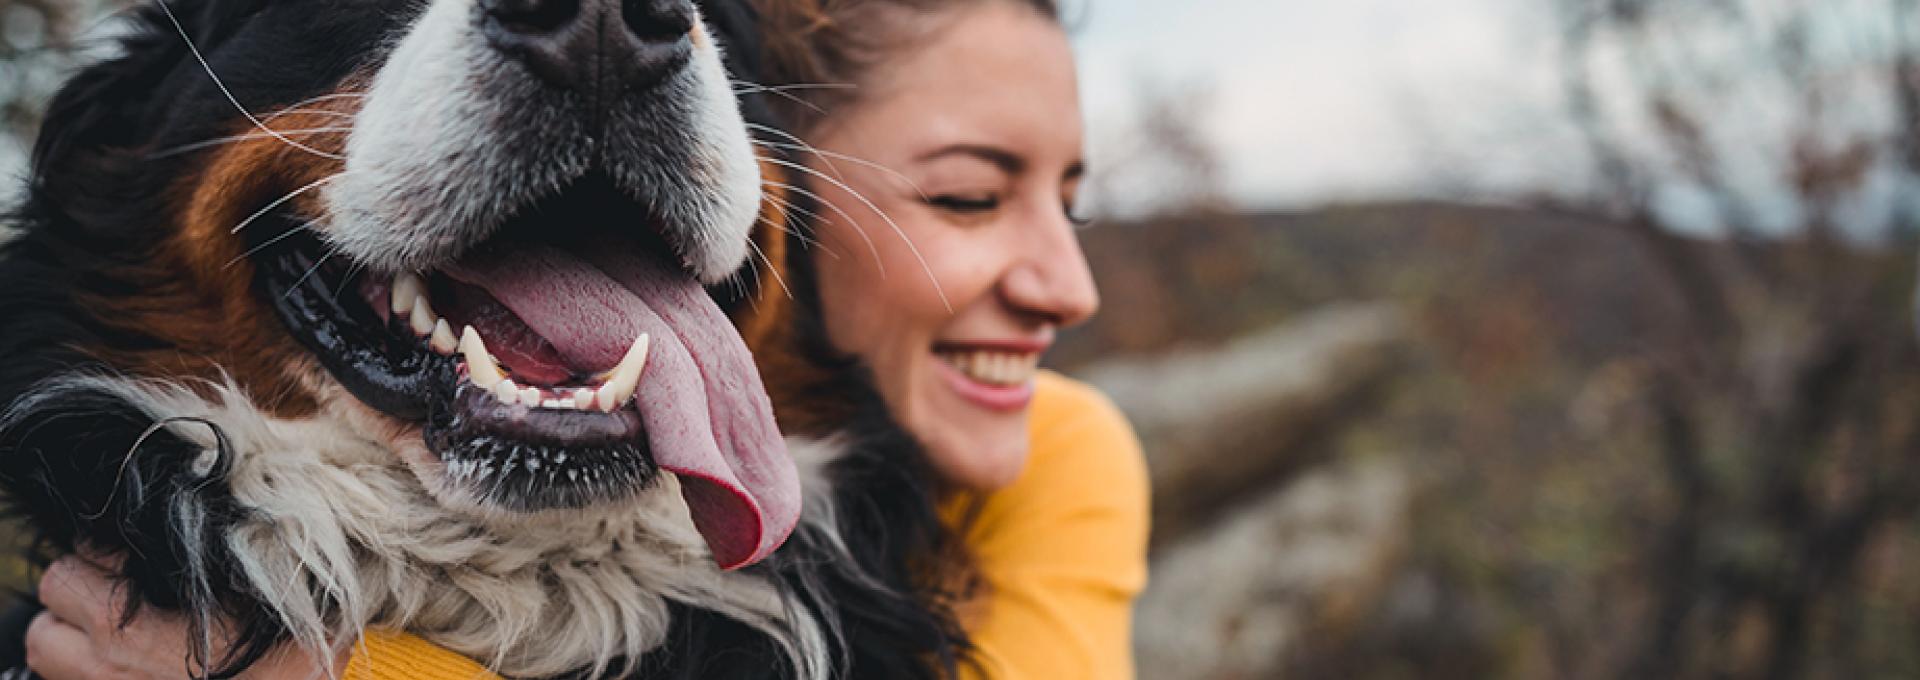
(100, 107)
(736, 24)
(88, 156)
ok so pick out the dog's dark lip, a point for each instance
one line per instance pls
(387, 371)
(533, 459)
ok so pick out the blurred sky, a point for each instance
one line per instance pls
(1310, 101)
(1305, 101)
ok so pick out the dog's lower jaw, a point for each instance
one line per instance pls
(341, 535)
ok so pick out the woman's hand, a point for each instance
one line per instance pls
(79, 636)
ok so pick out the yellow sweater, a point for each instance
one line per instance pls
(1062, 552)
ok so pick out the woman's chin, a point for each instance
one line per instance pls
(974, 448)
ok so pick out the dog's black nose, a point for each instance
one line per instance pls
(593, 45)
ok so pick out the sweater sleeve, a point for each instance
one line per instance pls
(398, 656)
(1062, 550)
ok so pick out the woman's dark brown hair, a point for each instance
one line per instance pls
(822, 50)
(900, 620)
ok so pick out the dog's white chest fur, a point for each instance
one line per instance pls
(341, 536)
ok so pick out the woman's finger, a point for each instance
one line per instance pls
(81, 595)
(57, 650)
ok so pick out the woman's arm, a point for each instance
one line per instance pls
(79, 637)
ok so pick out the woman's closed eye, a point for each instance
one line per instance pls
(965, 204)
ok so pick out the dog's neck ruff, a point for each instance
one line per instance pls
(339, 536)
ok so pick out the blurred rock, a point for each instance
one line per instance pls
(1233, 600)
(1223, 426)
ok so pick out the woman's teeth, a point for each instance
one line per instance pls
(616, 388)
(994, 368)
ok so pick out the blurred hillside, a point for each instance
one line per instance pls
(1496, 510)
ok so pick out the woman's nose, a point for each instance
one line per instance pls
(1052, 279)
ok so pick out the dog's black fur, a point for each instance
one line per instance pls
(85, 468)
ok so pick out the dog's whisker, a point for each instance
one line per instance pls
(937, 288)
(791, 226)
(196, 146)
(283, 199)
(829, 156)
(269, 243)
(204, 65)
(793, 86)
(775, 270)
(310, 112)
(806, 241)
(857, 229)
(793, 138)
(328, 97)
(357, 269)
(310, 270)
(783, 95)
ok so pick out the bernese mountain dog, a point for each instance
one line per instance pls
(445, 316)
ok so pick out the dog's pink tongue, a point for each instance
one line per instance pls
(707, 415)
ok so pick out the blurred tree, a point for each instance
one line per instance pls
(1785, 408)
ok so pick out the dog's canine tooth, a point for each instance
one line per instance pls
(480, 367)
(407, 287)
(423, 317)
(626, 376)
(443, 341)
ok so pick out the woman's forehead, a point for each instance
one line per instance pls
(997, 77)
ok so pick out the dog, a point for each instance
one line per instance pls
(434, 316)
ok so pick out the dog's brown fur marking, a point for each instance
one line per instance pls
(196, 291)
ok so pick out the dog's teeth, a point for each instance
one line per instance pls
(507, 392)
(407, 287)
(422, 318)
(530, 396)
(443, 340)
(480, 367)
(550, 404)
(619, 388)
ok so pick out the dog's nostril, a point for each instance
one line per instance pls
(657, 20)
(532, 16)
(601, 47)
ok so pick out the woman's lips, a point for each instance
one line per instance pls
(995, 378)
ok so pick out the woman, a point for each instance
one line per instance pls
(959, 121)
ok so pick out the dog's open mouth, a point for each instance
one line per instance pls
(555, 365)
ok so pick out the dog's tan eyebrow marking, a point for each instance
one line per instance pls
(1007, 161)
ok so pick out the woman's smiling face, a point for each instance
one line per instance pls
(976, 135)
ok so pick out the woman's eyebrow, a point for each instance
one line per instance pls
(1007, 162)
